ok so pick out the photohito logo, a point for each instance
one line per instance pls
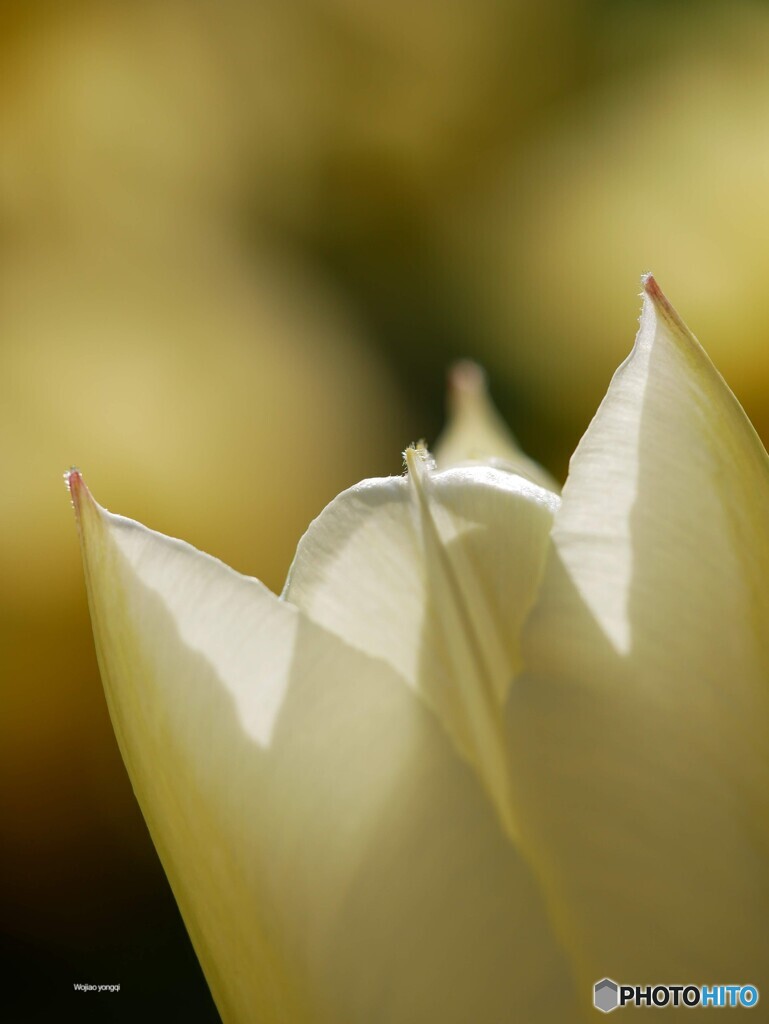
(608, 995)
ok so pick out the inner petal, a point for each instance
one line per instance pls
(434, 573)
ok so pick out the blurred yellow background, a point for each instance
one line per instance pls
(239, 244)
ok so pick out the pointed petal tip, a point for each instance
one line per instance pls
(78, 491)
(663, 305)
(73, 479)
(655, 294)
(465, 379)
(417, 458)
(651, 288)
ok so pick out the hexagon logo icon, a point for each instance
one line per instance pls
(606, 995)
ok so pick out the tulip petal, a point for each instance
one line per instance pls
(333, 859)
(639, 729)
(434, 573)
(475, 431)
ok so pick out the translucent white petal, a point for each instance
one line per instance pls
(333, 859)
(640, 732)
(475, 431)
(434, 573)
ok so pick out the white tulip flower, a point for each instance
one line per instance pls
(489, 745)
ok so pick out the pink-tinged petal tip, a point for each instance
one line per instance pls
(652, 289)
(77, 488)
(465, 378)
(662, 304)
